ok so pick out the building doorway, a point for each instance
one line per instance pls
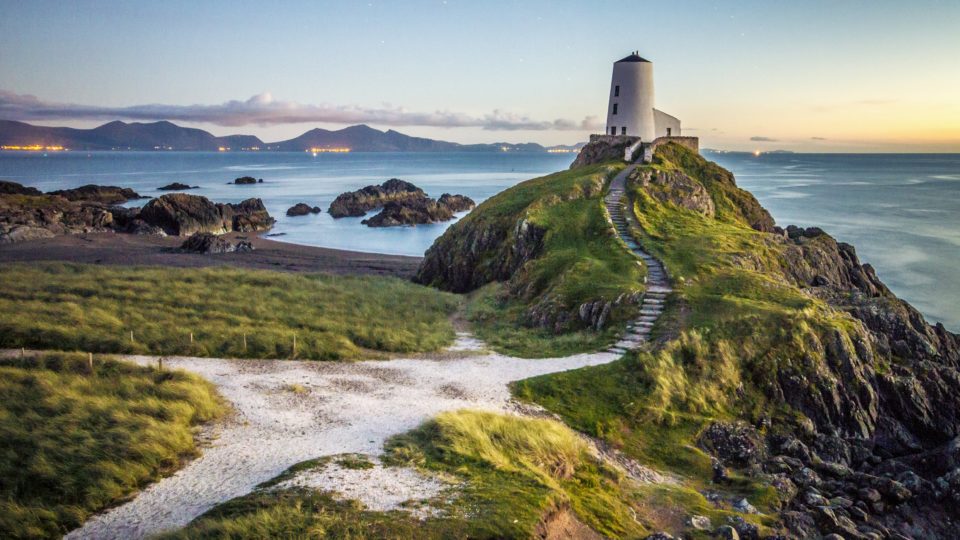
(669, 131)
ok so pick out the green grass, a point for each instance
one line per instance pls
(509, 473)
(736, 321)
(95, 308)
(74, 442)
(581, 261)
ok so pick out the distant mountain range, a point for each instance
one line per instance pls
(119, 135)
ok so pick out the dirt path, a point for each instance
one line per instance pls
(341, 408)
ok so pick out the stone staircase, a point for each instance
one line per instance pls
(657, 286)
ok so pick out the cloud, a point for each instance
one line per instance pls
(757, 138)
(818, 138)
(263, 110)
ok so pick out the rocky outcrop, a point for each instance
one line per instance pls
(472, 255)
(602, 150)
(456, 203)
(99, 194)
(176, 186)
(302, 209)
(208, 244)
(180, 214)
(676, 188)
(248, 216)
(13, 188)
(31, 217)
(247, 180)
(419, 211)
(358, 203)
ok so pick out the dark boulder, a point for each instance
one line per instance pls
(736, 443)
(247, 180)
(180, 214)
(99, 194)
(13, 188)
(207, 243)
(176, 186)
(248, 216)
(419, 211)
(302, 209)
(359, 202)
(456, 203)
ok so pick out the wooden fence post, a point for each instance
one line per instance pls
(90, 361)
(160, 363)
(191, 338)
(131, 337)
(23, 352)
(244, 342)
(294, 344)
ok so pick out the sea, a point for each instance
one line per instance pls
(902, 212)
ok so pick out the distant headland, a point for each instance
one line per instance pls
(167, 136)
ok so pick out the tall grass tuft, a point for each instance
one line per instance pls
(74, 442)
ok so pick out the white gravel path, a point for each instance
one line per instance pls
(347, 408)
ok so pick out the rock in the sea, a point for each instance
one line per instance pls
(176, 186)
(207, 243)
(181, 214)
(456, 203)
(246, 180)
(302, 209)
(13, 188)
(100, 194)
(359, 202)
(419, 211)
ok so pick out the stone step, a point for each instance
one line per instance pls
(654, 312)
(645, 324)
(616, 350)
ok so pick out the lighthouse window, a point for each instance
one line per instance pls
(613, 130)
(615, 108)
(623, 130)
(616, 91)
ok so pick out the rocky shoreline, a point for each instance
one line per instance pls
(27, 214)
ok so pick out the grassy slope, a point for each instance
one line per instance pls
(94, 308)
(509, 472)
(73, 443)
(581, 261)
(736, 321)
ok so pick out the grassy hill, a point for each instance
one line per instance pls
(533, 256)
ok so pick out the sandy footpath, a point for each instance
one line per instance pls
(341, 408)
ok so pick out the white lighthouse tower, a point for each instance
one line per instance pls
(631, 110)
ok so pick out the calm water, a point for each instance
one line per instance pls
(292, 177)
(902, 212)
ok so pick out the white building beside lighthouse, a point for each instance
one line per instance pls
(631, 109)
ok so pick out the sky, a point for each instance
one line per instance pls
(815, 76)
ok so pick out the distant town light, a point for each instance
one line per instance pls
(34, 148)
(315, 150)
